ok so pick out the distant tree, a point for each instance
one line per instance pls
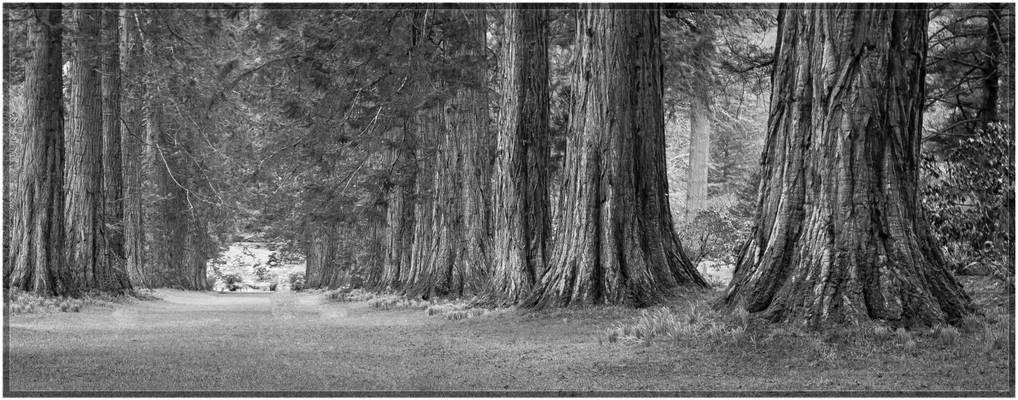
(37, 261)
(840, 236)
(615, 243)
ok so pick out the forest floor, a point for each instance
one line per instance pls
(284, 342)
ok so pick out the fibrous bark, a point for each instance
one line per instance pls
(399, 231)
(616, 242)
(36, 255)
(840, 235)
(520, 209)
(132, 142)
(85, 202)
(450, 214)
(699, 152)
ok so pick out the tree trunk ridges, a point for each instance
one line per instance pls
(197, 252)
(113, 207)
(699, 152)
(37, 260)
(400, 213)
(840, 235)
(991, 63)
(469, 122)
(615, 243)
(85, 203)
(132, 137)
(321, 260)
(520, 203)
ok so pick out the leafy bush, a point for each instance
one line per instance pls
(297, 281)
(262, 272)
(714, 234)
(232, 281)
(968, 194)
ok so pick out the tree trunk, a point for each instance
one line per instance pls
(468, 120)
(520, 208)
(37, 260)
(450, 228)
(840, 236)
(132, 143)
(321, 260)
(112, 173)
(85, 203)
(616, 242)
(991, 62)
(399, 232)
(699, 152)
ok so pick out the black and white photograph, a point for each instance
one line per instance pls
(508, 199)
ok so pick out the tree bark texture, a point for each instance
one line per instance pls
(840, 235)
(320, 260)
(699, 152)
(450, 229)
(991, 62)
(468, 120)
(85, 200)
(399, 231)
(113, 207)
(132, 133)
(616, 242)
(520, 209)
(37, 260)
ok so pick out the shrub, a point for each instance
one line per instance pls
(946, 335)
(232, 281)
(272, 286)
(262, 272)
(714, 234)
(297, 281)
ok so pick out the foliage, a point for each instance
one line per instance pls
(262, 272)
(968, 192)
(232, 281)
(297, 281)
(716, 233)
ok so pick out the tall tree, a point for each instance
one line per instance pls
(399, 217)
(85, 203)
(113, 207)
(616, 242)
(840, 236)
(37, 260)
(131, 142)
(700, 122)
(520, 209)
(451, 230)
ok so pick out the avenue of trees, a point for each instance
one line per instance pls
(518, 155)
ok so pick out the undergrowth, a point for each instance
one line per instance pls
(448, 309)
(22, 302)
(697, 324)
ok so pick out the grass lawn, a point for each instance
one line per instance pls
(286, 342)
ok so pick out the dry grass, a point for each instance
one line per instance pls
(21, 302)
(695, 321)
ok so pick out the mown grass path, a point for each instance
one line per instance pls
(284, 342)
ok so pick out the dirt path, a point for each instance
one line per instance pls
(298, 342)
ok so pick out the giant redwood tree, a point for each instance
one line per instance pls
(840, 235)
(36, 257)
(132, 141)
(520, 218)
(616, 242)
(84, 204)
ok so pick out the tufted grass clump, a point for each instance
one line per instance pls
(21, 302)
(697, 322)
